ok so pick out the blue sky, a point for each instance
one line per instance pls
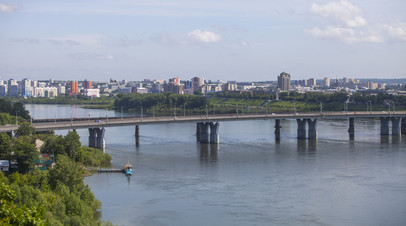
(226, 40)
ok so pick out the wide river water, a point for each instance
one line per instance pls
(248, 179)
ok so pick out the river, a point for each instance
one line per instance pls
(248, 179)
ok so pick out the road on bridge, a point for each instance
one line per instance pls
(72, 123)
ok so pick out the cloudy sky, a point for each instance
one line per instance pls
(224, 39)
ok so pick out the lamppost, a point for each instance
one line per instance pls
(370, 106)
(207, 112)
(294, 107)
(266, 109)
(321, 108)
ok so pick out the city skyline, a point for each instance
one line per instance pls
(226, 40)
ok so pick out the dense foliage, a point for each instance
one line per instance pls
(79, 99)
(159, 102)
(6, 106)
(70, 145)
(245, 95)
(309, 101)
(54, 197)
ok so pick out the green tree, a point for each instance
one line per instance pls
(12, 214)
(72, 144)
(54, 144)
(66, 172)
(4, 145)
(25, 129)
(25, 153)
(6, 118)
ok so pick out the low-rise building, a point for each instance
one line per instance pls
(4, 165)
(91, 92)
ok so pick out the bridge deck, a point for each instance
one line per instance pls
(68, 123)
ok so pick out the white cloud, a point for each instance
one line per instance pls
(397, 31)
(244, 43)
(344, 34)
(9, 8)
(343, 11)
(349, 26)
(204, 36)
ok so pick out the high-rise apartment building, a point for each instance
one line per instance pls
(25, 87)
(87, 84)
(73, 88)
(284, 81)
(311, 82)
(197, 83)
(326, 82)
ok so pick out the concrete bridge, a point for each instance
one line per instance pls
(207, 126)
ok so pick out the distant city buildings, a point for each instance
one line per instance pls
(51, 88)
(284, 81)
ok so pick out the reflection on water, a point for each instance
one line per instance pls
(306, 146)
(208, 152)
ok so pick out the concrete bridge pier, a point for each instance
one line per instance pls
(403, 126)
(96, 138)
(137, 135)
(204, 133)
(278, 129)
(100, 143)
(351, 128)
(301, 128)
(384, 125)
(395, 126)
(312, 133)
(92, 137)
(214, 135)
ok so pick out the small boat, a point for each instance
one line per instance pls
(128, 169)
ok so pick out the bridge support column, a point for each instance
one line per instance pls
(301, 128)
(312, 133)
(384, 125)
(137, 135)
(403, 127)
(395, 126)
(198, 130)
(214, 135)
(351, 128)
(100, 138)
(204, 133)
(92, 137)
(278, 129)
